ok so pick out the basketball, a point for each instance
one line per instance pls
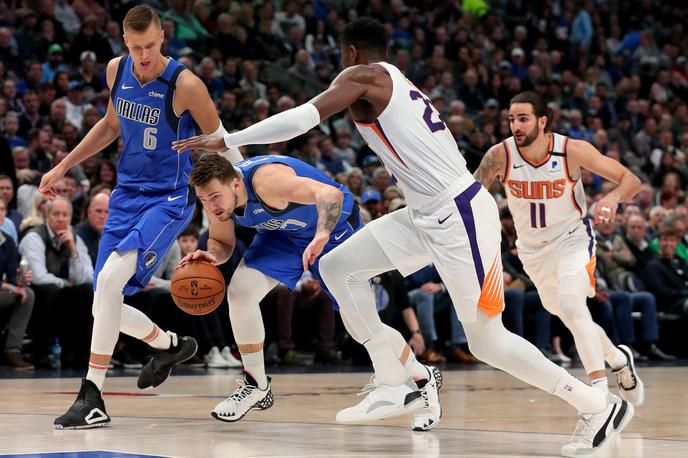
(198, 287)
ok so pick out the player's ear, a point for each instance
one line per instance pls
(354, 53)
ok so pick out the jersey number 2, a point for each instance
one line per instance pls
(534, 213)
(149, 139)
(427, 114)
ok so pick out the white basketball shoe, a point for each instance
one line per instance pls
(245, 398)
(631, 388)
(229, 357)
(429, 416)
(594, 430)
(381, 402)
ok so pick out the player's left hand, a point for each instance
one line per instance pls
(605, 209)
(314, 249)
(200, 142)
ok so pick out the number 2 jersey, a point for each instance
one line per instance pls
(149, 125)
(413, 143)
(543, 199)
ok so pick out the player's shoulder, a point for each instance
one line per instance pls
(496, 152)
(111, 69)
(361, 74)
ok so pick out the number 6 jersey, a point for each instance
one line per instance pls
(149, 125)
(543, 199)
(413, 143)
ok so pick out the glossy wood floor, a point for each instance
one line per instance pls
(486, 414)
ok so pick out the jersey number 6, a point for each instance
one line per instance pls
(149, 139)
(427, 114)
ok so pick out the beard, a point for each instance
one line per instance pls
(529, 138)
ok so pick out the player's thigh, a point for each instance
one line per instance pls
(541, 268)
(574, 256)
(398, 236)
(276, 255)
(464, 238)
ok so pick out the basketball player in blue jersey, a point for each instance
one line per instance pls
(153, 102)
(451, 221)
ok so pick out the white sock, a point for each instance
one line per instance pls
(388, 368)
(96, 374)
(159, 339)
(600, 383)
(612, 355)
(414, 369)
(583, 397)
(255, 366)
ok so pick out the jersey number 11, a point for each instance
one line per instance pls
(534, 215)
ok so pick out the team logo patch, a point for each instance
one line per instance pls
(149, 258)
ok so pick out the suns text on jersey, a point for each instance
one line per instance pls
(137, 112)
(537, 190)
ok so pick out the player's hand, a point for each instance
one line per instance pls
(49, 180)
(431, 288)
(200, 142)
(148, 287)
(198, 255)
(605, 209)
(314, 249)
(417, 344)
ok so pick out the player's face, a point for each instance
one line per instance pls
(219, 199)
(523, 123)
(144, 47)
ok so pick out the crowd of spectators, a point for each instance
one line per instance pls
(615, 73)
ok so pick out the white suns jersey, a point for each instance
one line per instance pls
(543, 199)
(413, 143)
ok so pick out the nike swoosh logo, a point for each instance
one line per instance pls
(518, 166)
(171, 199)
(127, 87)
(337, 237)
(602, 432)
(445, 219)
(573, 230)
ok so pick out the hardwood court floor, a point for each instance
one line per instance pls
(486, 414)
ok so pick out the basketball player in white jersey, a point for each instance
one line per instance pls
(450, 221)
(540, 171)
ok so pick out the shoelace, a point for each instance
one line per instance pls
(369, 387)
(583, 428)
(242, 392)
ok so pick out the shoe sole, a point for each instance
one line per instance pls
(640, 385)
(410, 407)
(437, 375)
(96, 425)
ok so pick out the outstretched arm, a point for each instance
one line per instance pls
(492, 165)
(220, 244)
(349, 86)
(104, 132)
(583, 154)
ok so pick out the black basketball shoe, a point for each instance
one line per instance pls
(160, 365)
(88, 411)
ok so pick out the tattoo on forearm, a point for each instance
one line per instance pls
(328, 214)
(489, 168)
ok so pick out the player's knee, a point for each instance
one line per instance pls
(572, 308)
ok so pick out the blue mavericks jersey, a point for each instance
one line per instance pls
(148, 125)
(299, 221)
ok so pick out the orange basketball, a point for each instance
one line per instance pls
(198, 287)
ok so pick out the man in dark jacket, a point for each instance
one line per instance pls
(667, 275)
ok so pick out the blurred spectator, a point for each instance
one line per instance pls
(667, 275)
(91, 229)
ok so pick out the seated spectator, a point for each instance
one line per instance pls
(62, 279)
(11, 129)
(36, 216)
(636, 240)
(667, 275)
(105, 173)
(91, 229)
(679, 226)
(329, 161)
(343, 148)
(7, 195)
(372, 201)
(15, 294)
(7, 226)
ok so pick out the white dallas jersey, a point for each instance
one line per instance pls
(543, 199)
(413, 143)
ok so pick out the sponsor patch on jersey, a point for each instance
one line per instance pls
(555, 167)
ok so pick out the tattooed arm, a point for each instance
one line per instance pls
(278, 185)
(492, 165)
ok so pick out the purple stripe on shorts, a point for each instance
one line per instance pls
(588, 229)
(463, 203)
